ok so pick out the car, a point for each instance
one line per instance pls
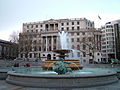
(19, 59)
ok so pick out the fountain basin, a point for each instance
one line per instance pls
(72, 80)
(3, 73)
(117, 70)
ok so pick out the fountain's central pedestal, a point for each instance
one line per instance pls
(74, 65)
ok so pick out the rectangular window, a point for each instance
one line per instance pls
(83, 39)
(36, 26)
(72, 39)
(84, 47)
(27, 26)
(31, 26)
(83, 33)
(55, 40)
(67, 23)
(78, 33)
(72, 23)
(72, 28)
(39, 55)
(36, 30)
(78, 23)
(39, 48)
(78, 28)
(62, 24)
(30, 55)
(84, 54)
(78, 39)
(35, 55)
(67, 28)
(35, 48)
(90, 39)
(78, 54)
(91, 25)
(62, 28)
(35, 42)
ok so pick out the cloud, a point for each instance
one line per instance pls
(4, 35)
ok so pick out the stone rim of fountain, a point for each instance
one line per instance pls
(62, 81)
(106, 73)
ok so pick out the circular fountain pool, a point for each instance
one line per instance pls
(50, 79)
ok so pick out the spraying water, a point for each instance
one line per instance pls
(66, 44)
(64, 40)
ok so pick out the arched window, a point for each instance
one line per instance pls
(49, 56)
(30, 55)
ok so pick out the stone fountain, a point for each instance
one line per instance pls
(62, 75)
(67, 64)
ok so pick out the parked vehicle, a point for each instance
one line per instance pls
(19, 59)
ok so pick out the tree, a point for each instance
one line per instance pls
(92, 44)
(25, 43)
(14, 37)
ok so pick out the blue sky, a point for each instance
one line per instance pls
(15, 12)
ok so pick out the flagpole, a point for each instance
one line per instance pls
(99, 22)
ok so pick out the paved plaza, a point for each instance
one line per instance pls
(6, 86)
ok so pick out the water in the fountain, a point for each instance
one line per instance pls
(65, 43)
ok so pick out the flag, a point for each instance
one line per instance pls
(99, 17)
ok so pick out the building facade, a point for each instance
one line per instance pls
(8, 50)
(111, 41)
(39, 39)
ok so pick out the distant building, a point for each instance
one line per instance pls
(39, 39)
(8, 50)
(111, 41)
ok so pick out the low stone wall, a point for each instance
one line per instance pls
(10, 63)
(3, 75)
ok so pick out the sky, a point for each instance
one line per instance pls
(13, 13)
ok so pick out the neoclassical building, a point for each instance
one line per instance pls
(8, 50)
(39, 39)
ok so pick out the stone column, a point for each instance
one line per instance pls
(42, 44)
(54, 26)
(57, 45)
(58, 42)
(48, 27)
(52, 42)
(46, 43)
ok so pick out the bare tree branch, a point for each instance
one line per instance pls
(14, 37)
